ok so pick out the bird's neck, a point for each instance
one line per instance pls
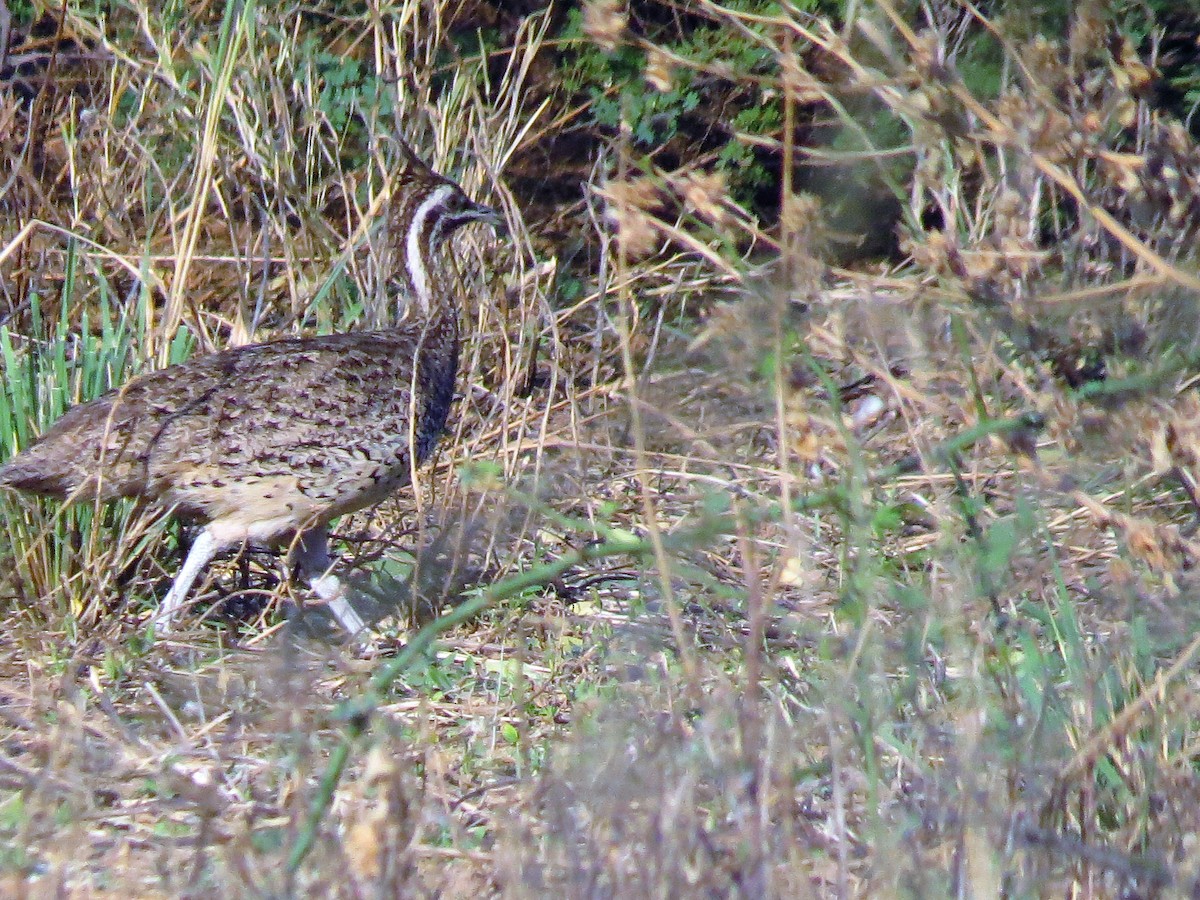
(427, 298)
(422, 266)
(435, 314)
(432, 309)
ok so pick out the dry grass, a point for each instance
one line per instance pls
(877, 588)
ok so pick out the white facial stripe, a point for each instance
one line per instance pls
(413, 252)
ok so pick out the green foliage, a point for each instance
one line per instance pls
(691, 111)
(350, 96)
(22, 12)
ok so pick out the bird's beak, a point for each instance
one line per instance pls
(489, 215)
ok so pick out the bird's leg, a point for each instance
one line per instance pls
(204, 548)
(310, 556)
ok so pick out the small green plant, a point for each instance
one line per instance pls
(349, 95)
(673, 84)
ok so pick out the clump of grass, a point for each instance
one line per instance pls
(63, 557)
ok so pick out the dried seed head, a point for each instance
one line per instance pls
(1125, 112)
(705, 194)
(802, 432)
(1088, 32)
(1122, 170)
(1043, 57)
(629, 209)
(635, 231)
(604, 22)
(1010, 204)
(643, 194)
(1130, 73)
(926, 55)
(1182, 435)
(793, 573)
(800, 218)
(1145, 543)
(659, 70)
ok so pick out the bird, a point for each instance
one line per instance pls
(266, 444)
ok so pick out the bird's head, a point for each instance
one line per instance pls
(428, 208)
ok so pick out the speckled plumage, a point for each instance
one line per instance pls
(303, 428)
(268, 443)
